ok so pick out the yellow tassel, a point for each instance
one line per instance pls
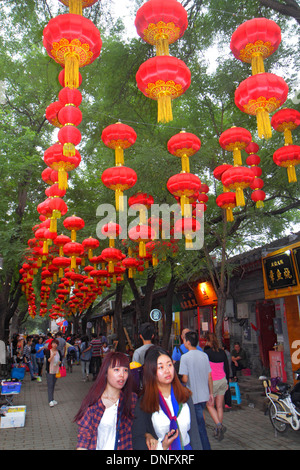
(53, 225)
(154, 260)
(263, 124)
(69, 151)
(62, 179)
(73, 235)
(130, 274)
(229, 214)
(111, 243)
(71, 70)
(240, 199)
(162, 46)
(90, 253)
(164, 108)
(291, 171)
(60, 272)
(188, 242)
(237, 157)
(257, 64)
(111, 267)
(185, 206)
(259, 204)
(73, 262)
(75, 6)
(119, 200)
(119, 156)
(185, 163)
(45, 247)
(288, 139)
(142, 249)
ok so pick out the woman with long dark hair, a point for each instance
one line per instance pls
(164, 415)
(106, 413)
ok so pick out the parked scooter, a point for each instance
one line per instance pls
(284, 405)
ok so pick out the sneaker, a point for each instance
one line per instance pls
(220, 430)
(51, 403)
(54, 402)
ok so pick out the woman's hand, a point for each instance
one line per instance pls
(169, 438)
(151, 442)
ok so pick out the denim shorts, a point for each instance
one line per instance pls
(220, 387)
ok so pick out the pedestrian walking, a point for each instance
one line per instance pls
(54, 363)
(196, 374)
(95, 365)
(27, 357)
(164, 415)
(106, 413)
(219, 371)
(40, 347)
(146, 334)
(85, 358)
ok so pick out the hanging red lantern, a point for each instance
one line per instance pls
(260, 95)
(52, 113)
(141, 202)
(254, 41)
(184, 145)
(161, 23)
(58, 208)
(119, 179)
(119, 137)
(90, 244)
(74, 224)
(55, 159)
(234, 140)
(218, 172)
(253, 147)
(73, 250)
(187, 226)
(258, 196)
(60, 241)
(227, 201)
(163, 78)
(141, 234)
(131, 264)
(238, 178)
(54, 191)
(286, 120)
(184, 186)
(112, 256)
(288, 157)
(112, 231)
(73, 42)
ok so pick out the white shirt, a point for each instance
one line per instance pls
(107, 428)
(161, 423)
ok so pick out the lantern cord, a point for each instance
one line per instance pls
(291, 172)
(288, 139)
(263, 124)
(240, 199)
(237, 157)
(71, 70)
(185, 206)
(75, 6)
(164, 108)
(257, 64)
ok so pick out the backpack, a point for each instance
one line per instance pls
(85, 356)
(177, 363)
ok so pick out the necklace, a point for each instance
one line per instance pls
(112, 400)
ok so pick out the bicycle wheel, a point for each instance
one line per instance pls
(280, 426)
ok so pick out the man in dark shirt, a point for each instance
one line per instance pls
(239, 359)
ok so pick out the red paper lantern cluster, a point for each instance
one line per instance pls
(253, 160)
(262, 93)
(162, 78)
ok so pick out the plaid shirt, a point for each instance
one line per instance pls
(88, 426)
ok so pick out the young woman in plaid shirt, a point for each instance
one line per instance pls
(106, 414)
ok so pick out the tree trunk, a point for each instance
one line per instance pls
(118, 320)
(169, 313)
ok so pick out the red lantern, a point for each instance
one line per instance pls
(112, 231)
(260, 95)
(188, 226)
(161, 23)
(60, 241)
(118, 137)
(119, 179)
(69, 96)
(234, 140)
(73, 250)
(141, 234)
(54, 157)
(286, 120)
(254, 41)
(184, 145)
(288, 157)
(61, 262)
(227, 201)
(54, 191)
(131, 264)
(163, 78)
(218, 172)
(253, 147)
(258, 197)
(112, 256)
(59, 208)
(184, 186)
(90, 244)
(238, 178)
(74, 224)
(141, 202)
(72, 41)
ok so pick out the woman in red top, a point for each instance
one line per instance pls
(106, 414)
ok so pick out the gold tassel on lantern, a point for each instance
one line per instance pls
(185, 163)
(291, 172)
(259, 204)
(119, 156)
(257, 63)
(288, 139)
(72, 70)
(164, 113)
(142, 249)
(263, 124)
(162, 46)
(69, 150)
(237, 157)
(229, 214)
(75, 6)
(119, 200)
(185, 206)
(240, 199)
(62, 179)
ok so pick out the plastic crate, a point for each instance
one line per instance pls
(10, 387)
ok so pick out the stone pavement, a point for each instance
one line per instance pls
(248, 428)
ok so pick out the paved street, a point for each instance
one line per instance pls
(248, 428)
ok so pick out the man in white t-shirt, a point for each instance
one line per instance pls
(147, 336)
(196, 374)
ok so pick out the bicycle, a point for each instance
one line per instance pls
(284, 405)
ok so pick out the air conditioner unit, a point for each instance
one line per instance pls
(243, 310)
(229, 308)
